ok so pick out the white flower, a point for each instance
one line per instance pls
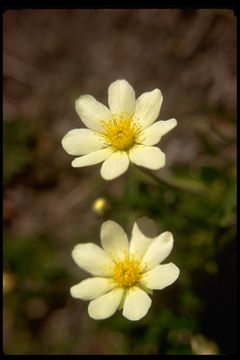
(123, 273)
(124, 133)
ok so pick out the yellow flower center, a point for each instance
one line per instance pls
(121, 132)
(127, 273)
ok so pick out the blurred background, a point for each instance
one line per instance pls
(50, 58)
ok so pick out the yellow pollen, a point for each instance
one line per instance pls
(120, 131)
(127, 273)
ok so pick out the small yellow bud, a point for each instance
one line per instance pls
(101, 207)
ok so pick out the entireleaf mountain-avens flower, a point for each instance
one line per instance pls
(124, 272)
(123, 133)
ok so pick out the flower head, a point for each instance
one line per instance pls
(124, 272)
(123, 133)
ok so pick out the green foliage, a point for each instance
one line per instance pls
(17, 137)
(33, 257)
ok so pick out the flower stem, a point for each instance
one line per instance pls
(173, 184)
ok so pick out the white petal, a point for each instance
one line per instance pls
(106, 305)
(150, 157)
(115, 165)
(81, 141)
(153, 133)
(92, 288)
(139, 241)
(92, 158)
(148, 107)
(114, 240)
(121, 97)
(92, 259)
(161, 276)
(136, 304)
(91, 111)
(158, 250)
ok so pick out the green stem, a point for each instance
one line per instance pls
(171, 184)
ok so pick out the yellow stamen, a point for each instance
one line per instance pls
(121, 132)
(127, 273)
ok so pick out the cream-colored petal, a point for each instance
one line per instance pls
(106, 305)
(158, 250)
(91, 111)
(115, 165)
(136, 304)
(92, 288)
(150, 157)
(148, 107)
(91, 258)
(114, 240)
(153, 134)
(140, 241)
(81, 142)
(160, 276)
(121, 97)
(92, 158)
